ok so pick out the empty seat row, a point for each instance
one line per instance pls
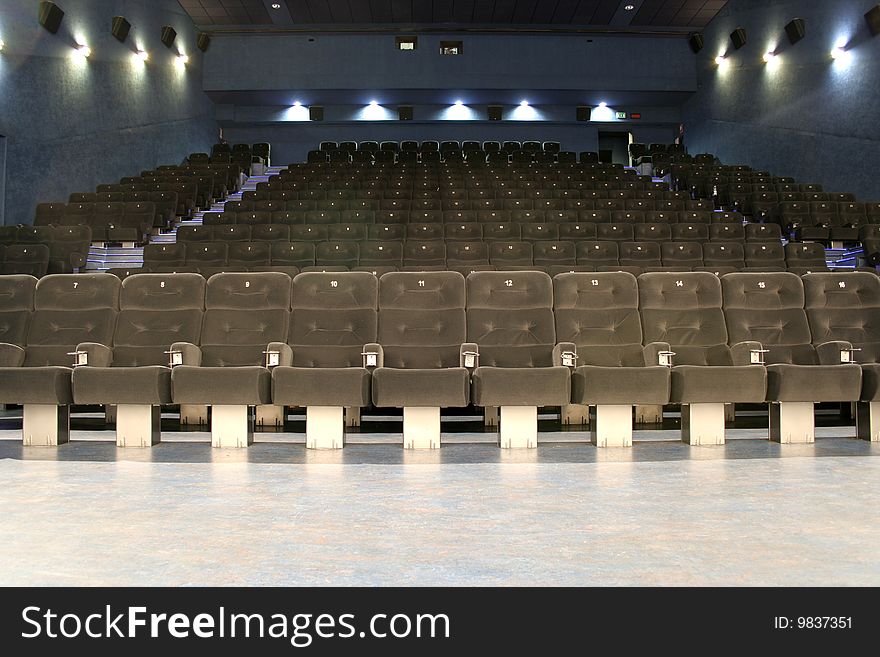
(428, 340)
(440, 253)
(441, 146)
(67, 248)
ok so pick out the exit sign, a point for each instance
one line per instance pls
(621, 115)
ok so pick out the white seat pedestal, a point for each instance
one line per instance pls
(269, 415)
(576, 414)
(792, 422)
(649, 414)
(45, 425)
(868, 421)
(702, 424)
(231, 426)
(194, 414)
(325, 427)
(421, 427)
(518, 427)
(138, 425)
(612, 425)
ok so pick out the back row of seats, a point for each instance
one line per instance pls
(442, 146)
(514, 340)
(439, 254)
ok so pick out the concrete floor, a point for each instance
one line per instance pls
(567, 513)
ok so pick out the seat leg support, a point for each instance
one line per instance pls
(45, 425)
(868, 421)
(231, 426)
(612, 426)
(352, 416)
(702, 424)
(325, 428)
(194, 414)
(138, 425)
(792, 422)
(576, 414)
(649, 414)
(518, 427)
(269, 415)
(421, 427)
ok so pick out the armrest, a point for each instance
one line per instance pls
(374, 355)
(186, 352)
(653, 350)
(565, 354)
(836, 352)
(749, 352)
(96, 355)
(278, 354)
(469, 355)
(11, 355)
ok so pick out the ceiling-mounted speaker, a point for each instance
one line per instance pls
(405, 113)
(584, 112)
(50, 16)
(872, 18)
(316, 113)
(203, 41)
(696, 42)
(494, 112)
(738, 36)
(120, 28)
(169, 34)
(796, 30)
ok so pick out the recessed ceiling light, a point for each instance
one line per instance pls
(458, 102)
(374, 102)
(524, 103)
(276, 5)
(629, 7)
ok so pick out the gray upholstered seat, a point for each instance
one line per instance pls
(16, 307)
(682, 313)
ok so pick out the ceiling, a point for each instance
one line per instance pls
(518, 15)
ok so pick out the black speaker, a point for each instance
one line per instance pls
(796, 30)
(50, 16)
(738, 36)
(120, 28)
(494, 112)
(168, 35)
(696, 42)
(203, 41)
(316, 113)
(873, 20)
(583, 112)
(405, 113)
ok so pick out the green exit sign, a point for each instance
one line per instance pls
(621, 115)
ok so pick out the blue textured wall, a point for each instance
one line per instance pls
(71, 124)
(811, 117)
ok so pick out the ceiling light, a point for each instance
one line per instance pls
(719, 60)
(83, 50)
(629, 7)
(458, 102)
(182, 58)
(769, 56)
(524, 103)
(373, 103)
(276, 5)
(142, 55)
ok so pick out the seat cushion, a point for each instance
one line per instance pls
(250, 385)
(35, 385)
(521, 386)
(871, 382)
(122, 385)
(595, 385)
(713, 384)
(813, 383)
(321, 386)
(445, 387)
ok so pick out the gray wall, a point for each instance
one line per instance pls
(810, 117)
(72, 124)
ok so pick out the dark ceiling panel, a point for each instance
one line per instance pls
(659, 15)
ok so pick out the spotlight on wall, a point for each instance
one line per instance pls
(769, 57)
(83, 50)
(168, 35)
(796, 30)
(120, 28)
(2, 45)
(840, 52)
(296, 103)
(459, 103)
(203, 41)
(182, 59)
(142, 55)
(374, 103)
(524, 103)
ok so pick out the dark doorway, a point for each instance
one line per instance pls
(614, 147)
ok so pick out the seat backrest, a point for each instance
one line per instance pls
(845, 306)
(70, 309)
(510, 317)
(334, 316)
(769, 308)
(684, 310)
(422, 318)
(16, 307)
(292, 254)
(30, 259)
(165, 255)
(244, 312)
(248, 254)
(155, 311)
(599, 312)
(805, 255)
